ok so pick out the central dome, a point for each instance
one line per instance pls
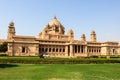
(54, 27)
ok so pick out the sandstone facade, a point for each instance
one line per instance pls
(54, 42)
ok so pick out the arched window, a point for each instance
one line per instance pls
(63, 50)
(57, 29)
(42, 49)
(60, 50)
(75, 48)
(49, 49)
(53, 49)
(46, 50)
(89, 50)
(23, 49)
(57, 50)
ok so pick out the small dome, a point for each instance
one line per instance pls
(83, 36)
(11, 23)
(70, 32)
(93, 32)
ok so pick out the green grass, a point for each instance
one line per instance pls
(59, 71)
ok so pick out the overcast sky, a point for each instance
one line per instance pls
(83, 16)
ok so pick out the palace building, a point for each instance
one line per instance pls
(54, 42)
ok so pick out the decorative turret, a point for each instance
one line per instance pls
(93, 36)
(83, 38)
(71, 34)
(11, 31)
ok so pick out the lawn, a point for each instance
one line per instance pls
(59, 71)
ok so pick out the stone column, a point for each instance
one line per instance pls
(71, 50)
(37, 50)
(10, 49)
(66, 50)
(86, 53)
(77, 48)
(13, 45)
(84, 49)
(80, 48)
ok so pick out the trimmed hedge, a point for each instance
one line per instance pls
(3, 54)
(59, 60)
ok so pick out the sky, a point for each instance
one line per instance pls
(83, 16)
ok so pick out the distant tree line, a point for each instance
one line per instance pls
(3, 47)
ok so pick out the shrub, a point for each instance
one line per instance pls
(58, 60)
(3, 54)
(3, 47)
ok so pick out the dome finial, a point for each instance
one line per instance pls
(11, 23)
(55, 17)
(93, 32)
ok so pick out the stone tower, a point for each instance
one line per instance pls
(71, 34)
(83, 38)
(93, 36)
(11, 31)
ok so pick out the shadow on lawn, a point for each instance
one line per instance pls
(7, 65)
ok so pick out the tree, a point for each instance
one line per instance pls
(3, 47)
